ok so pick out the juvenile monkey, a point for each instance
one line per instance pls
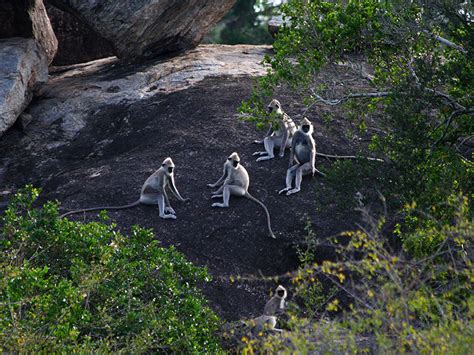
(303, 152)
(275, 306)
(153, 193)
(277, 303)
(235, 181)
(280, 138)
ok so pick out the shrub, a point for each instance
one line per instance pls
(395, 302)
(68, 286)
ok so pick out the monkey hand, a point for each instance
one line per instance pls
(169, 209)
(211, 185)
(282, 154)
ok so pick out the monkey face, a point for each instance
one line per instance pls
(305, 128)
(168, 166)
(274, 106)
(280, 291)
(233, 160)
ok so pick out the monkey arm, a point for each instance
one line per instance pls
(313, 157)
(221, 179)
(173, 189)
(167, 201)
(227, 181)
(270, 130)
(292, 153)
(284, 141)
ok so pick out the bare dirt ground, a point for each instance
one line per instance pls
(108, 161)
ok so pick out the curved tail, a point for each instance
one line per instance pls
(266, 211)
(136, 203)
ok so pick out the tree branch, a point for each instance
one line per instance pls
(446, 42)
(448, 122)
(347, 157)
(348, 97)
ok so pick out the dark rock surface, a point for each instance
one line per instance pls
(28, 19)
(23, 67)
(144, 28)
(77, 42)
(100, 129)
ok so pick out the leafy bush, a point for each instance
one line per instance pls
(67, 286)
(420, 93)
(245, 23)
(396, 303)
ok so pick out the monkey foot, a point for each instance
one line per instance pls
(284, 190)
(291, 192)
(170, 210)
(216, 196)
(268, 157)
(168, 216)
(259, 153)
(219, 205)
(211, 185)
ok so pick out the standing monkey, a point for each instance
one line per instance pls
(280, 138)
(235, 181)
(153, 193)
(303, 152)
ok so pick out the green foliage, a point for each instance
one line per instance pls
(397, 303)
(416, 298)
(72, 287)
(425, 87)
(245, 23)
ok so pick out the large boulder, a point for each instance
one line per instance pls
(28, 19)
(78, 43)
(23, 66)
(143, 29)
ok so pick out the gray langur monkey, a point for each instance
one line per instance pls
(303, 152)
(264, 323)
(274, 307)
(235, 181)
(280, 138)
(153, 193)
(277, 303)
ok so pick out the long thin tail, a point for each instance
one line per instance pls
(346, 157)
(136, 203)
(266, 211)
(320, 173)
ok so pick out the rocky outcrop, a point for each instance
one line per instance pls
(28, 19)
(23, 66)
(143, 29)
(77, 42)
(75, 92)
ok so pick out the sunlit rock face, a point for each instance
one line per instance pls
(28, 19)
(142, 29)
(23, 67)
